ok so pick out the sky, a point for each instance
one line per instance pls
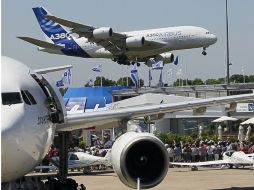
(17, 19)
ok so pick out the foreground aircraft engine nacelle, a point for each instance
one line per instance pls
(139, 155)
(102, 33)
(135, 42)
(166, 57)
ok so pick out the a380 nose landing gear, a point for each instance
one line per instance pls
(204, 52)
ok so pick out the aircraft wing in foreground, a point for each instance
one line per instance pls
(83, 120)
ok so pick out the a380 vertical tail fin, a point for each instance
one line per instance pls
(53, 31)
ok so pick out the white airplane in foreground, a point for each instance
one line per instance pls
(80, 160)
(32, 110)
(124, 48)
(235, 158)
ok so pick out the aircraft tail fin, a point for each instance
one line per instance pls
(53, 31)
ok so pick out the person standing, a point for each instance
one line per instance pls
(170, 150)
(177, 153)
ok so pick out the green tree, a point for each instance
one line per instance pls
(105, 82)
(198, 81)
(213, 81)
(237, 78)
(251, 78)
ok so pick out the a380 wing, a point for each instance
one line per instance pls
(115, 44)
(109, 117)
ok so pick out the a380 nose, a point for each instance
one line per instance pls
(213, 38)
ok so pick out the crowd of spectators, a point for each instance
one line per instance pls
(205, 150)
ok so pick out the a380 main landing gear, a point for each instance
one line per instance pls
(204, 52)
(133, 63)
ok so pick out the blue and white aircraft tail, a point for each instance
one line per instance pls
(53, 31)
(58, 39)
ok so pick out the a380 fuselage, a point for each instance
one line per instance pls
(175, 38)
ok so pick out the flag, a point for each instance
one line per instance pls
(134, 75)
(176, 61)
(97, 69)
(160, 79)
(150, 77)
(59, 83)
(157, 65)
(66, 78)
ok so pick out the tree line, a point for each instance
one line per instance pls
(236, 78)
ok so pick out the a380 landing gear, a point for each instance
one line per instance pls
(204, 52)
(133, 62)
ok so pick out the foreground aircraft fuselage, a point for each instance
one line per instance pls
(28, 122)
(144, 45)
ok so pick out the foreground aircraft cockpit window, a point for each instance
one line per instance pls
(9, 98)
(28, 97)
(74, 157)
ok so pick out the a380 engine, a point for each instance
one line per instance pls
(102, 33)
(135, 42)
(167, 57)
(139, 155)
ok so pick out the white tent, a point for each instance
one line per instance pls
(224, 118)
(248, 122)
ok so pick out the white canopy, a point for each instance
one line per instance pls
(248, 122)
(224, 118)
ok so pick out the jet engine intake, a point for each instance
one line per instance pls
(102, 33)
(166, 57)
(135, 42)
(139, 155)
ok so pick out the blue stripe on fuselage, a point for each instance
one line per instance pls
(72, 48)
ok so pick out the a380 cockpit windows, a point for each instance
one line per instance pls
(9, 98)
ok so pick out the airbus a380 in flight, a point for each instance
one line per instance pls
(32, 110)
(124, 48)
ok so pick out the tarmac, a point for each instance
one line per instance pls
(180, 179)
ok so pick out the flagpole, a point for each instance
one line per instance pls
(149, 77)
(101, 75)
(122, 74)
(127, 76)
(101, 80)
